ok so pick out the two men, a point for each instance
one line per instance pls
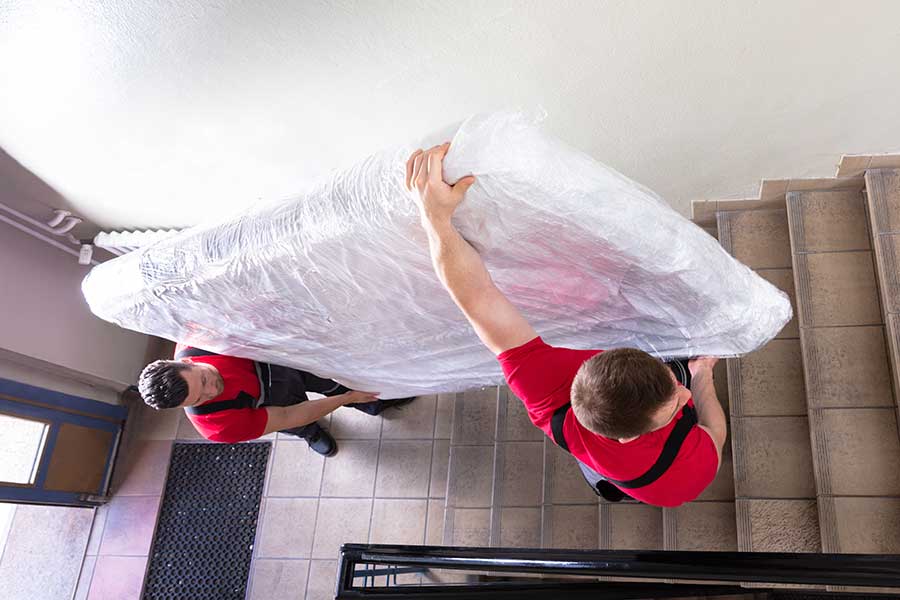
(231, 399)
(627, 418)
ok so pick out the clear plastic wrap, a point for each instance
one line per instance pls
(339, 281)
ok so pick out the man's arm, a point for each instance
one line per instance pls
(710, 415)
(497, 322)
(304, 413)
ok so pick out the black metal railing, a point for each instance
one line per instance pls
(686, 573)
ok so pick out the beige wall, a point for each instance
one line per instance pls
(44, 318)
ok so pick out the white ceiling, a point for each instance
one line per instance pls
(153, 113)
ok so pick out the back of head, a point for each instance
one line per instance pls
(161, 384)
(617, 393)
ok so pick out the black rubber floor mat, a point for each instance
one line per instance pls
(207, 522)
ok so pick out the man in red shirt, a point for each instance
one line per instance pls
(230, 399)
(629, 421)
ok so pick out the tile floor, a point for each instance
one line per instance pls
(386, 485)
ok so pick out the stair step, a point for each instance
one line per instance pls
(883, 203)
(778, 525)
(852, 416)
(631, 526)
(708, 526)
(773, 473)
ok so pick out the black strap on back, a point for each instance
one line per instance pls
(666, 456)
(243, 400)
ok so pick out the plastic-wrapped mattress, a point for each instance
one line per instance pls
(339, 281)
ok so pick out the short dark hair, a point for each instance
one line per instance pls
(161, 384)
(616, 393)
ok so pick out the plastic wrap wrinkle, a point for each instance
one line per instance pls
(339, 282)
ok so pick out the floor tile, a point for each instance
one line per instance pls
(863, 451)
(780, 525)
(118, 578)
(97, 526)
(844, 290)
(520, 527)
(516, 425)
(867, 525)
(847, 366)
(567, 484)
(155, 424)
(783, 279)
(142, 469)
(296, 470)
(351, 424)
(521, 481)
(398, 522)
(84, 578)
(278, 579)
(773, 457)
(278, 541)
(708, 526)
(573, 527)
(322, 580)
(130, 523)
(43, 551)
(771, 381)
(471, 476)
(404, 469)
(634, 526)
(411, 422)
(468, 527)
(341, 521)
(885, 198)
(440, 462)
(829, 221)
(475, 417)
(760, 238)
(888, 262)
(434, 527)
(351, 472)
(443, 421)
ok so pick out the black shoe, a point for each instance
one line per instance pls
(609, 492)
(322, 443)
(379, 406)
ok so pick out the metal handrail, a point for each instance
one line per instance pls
(866, 570)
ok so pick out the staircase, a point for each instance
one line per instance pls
(813, 463)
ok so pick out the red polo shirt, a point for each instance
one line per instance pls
(541, 376)
(237, 424)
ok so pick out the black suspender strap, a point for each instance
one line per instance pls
(666, 457)
(243, 400)
(191, 352)
(556, 425)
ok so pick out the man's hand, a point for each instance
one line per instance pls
(701, 365)
(353, 397)
(436, 199)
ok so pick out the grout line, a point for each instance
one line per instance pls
(375, 481)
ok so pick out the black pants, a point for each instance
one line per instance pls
(288, 387)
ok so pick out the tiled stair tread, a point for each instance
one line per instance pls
(722, 487)
(517, 464)
(700, 526)
(883, 187)
(757, 238)
(768, 381)
(467, 527)
(772, 457)
(887, 258)
(846, 367)
(631, 526)
(827, 221)
(475, 417)
(571, 526)
(564, 483)
(470, 477)
(520, 527)
(783, 279)
(836, 288)
(770, 525)
(861, 525)
(857, 451)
